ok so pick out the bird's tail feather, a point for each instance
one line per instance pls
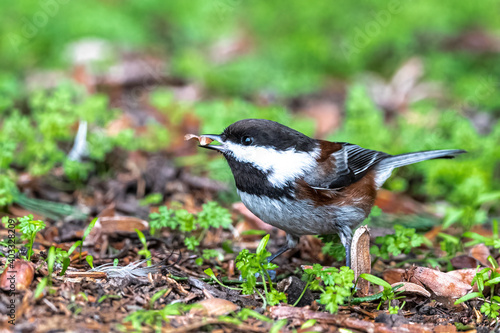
(410, 158)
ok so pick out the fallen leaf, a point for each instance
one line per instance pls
(441, 284)
(214, 307)
(464, 261)
(480, 252)
(393, 275)
(110, 225)
(412, 288)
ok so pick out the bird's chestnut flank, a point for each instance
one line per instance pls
(306, 186)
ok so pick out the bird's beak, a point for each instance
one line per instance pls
(214, 138)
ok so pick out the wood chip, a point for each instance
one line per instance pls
(361, 259)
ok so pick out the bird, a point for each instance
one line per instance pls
(307, 186)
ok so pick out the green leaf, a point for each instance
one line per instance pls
(65, 265)
(492, 281)
(375, 280)
(452, 216)
(157, 296)
(277, 326)
(468, 297)
(141, 236)
(40, 287)
(308, 324)
(90, 260)
(51, 258)
(74, 246)
(487, 197)
(89, 228)
(262, 245)
(210, 273)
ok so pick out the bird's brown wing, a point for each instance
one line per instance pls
(342, 164)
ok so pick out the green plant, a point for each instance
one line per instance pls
(65, 256)
(402, 241)
(450, 244)
(47, 280)
(90, 260)
(487, 277)
(29, 228)
(209, 254)
(251, 264)
(471, 213)
(211, 273)
(335, 284)
(388, 294)
(151, 199)
(194, 227)
(86, 233)
(493, 241)
(153, 319)
(144, 251)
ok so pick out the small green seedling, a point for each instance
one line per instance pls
(153, 319)
(493, 241)
(105, 297)
(29, 228)
(249, 264)
(90, 261)
(144, 251)
(335, 284)
(402, 241)
(211, 273)
(47, 280)
(86, 233)
(487, 277)
(388, 294)
(193, 226)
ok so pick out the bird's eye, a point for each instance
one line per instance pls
(246, 140)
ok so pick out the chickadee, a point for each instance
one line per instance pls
(306, 186)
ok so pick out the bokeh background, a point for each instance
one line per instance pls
(396, 76)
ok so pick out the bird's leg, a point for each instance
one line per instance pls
(291, 242)
(345, 238)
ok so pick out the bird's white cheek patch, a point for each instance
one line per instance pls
(282, 166)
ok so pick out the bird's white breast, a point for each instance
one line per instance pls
(281, 166)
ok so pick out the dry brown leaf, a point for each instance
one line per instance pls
(463, 261)
(466, 275)
(214, 307)
(412, 288)
(481, 253)
(109, 225)
(438, 282)
(393, 275)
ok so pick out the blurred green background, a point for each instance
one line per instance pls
(399, 75)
